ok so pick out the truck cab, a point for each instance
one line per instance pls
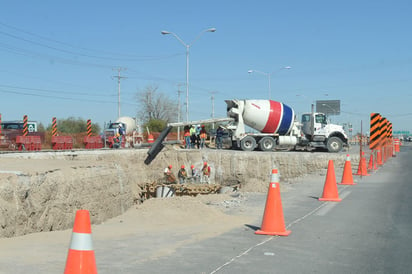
(321, 133)
(113, 128)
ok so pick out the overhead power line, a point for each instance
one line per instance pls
(56, 91)
(60, 97)
(114, 57)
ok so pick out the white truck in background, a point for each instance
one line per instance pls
(133, 134)
(277, 126)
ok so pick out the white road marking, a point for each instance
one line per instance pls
(328, 207)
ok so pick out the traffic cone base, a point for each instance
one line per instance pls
(273, 222)
(330, 189)
(273, 233)
(80, 262)
(330, 199)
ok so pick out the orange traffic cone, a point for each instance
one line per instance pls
(347, 178)
(330, 189)
(379, 157)
(375, 165)
(273, 222)
(362, 169)
(150, 139)
(370, 164)
(80, 258)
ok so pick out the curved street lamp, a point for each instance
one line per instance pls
(268, 74)
(187, 46)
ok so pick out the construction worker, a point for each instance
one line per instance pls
(195, 174)
(205, 173)
(219, 137)
(203, 136)
(116, 141)
(121, 133)
(169, 177)
(187, 136)
(193, 136)
(182, 175)
(198, 129)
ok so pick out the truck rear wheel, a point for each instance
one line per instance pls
(334, 144)
(248, 143)
(267, 143)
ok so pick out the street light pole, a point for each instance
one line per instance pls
(119, 69)
(187, 82)
(187, 46)
(268, 74)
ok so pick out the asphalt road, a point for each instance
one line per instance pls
(369, 231)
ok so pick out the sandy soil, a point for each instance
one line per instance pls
(189, 219)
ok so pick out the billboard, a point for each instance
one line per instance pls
(329, 107)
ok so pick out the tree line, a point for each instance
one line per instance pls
(155, 110)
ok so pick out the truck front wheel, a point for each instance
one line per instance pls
(248, 143)
(334, 144)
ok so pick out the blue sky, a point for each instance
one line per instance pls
(58, 58)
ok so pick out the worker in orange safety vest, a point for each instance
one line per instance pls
(182, 175)
(187, 137)
(203, 136)
(205, 173)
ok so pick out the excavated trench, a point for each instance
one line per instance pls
(41, 191)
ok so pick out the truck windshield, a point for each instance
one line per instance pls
(114, 125)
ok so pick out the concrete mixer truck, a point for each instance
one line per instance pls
(133, 136)
(276, 125)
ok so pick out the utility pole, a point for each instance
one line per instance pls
(178, 109)
(213, 106)
(119, 69)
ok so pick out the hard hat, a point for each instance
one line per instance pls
(170, 166)
(120, 125)
(192, 166)
(205, 163)
(183, 166)
(118, 134)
